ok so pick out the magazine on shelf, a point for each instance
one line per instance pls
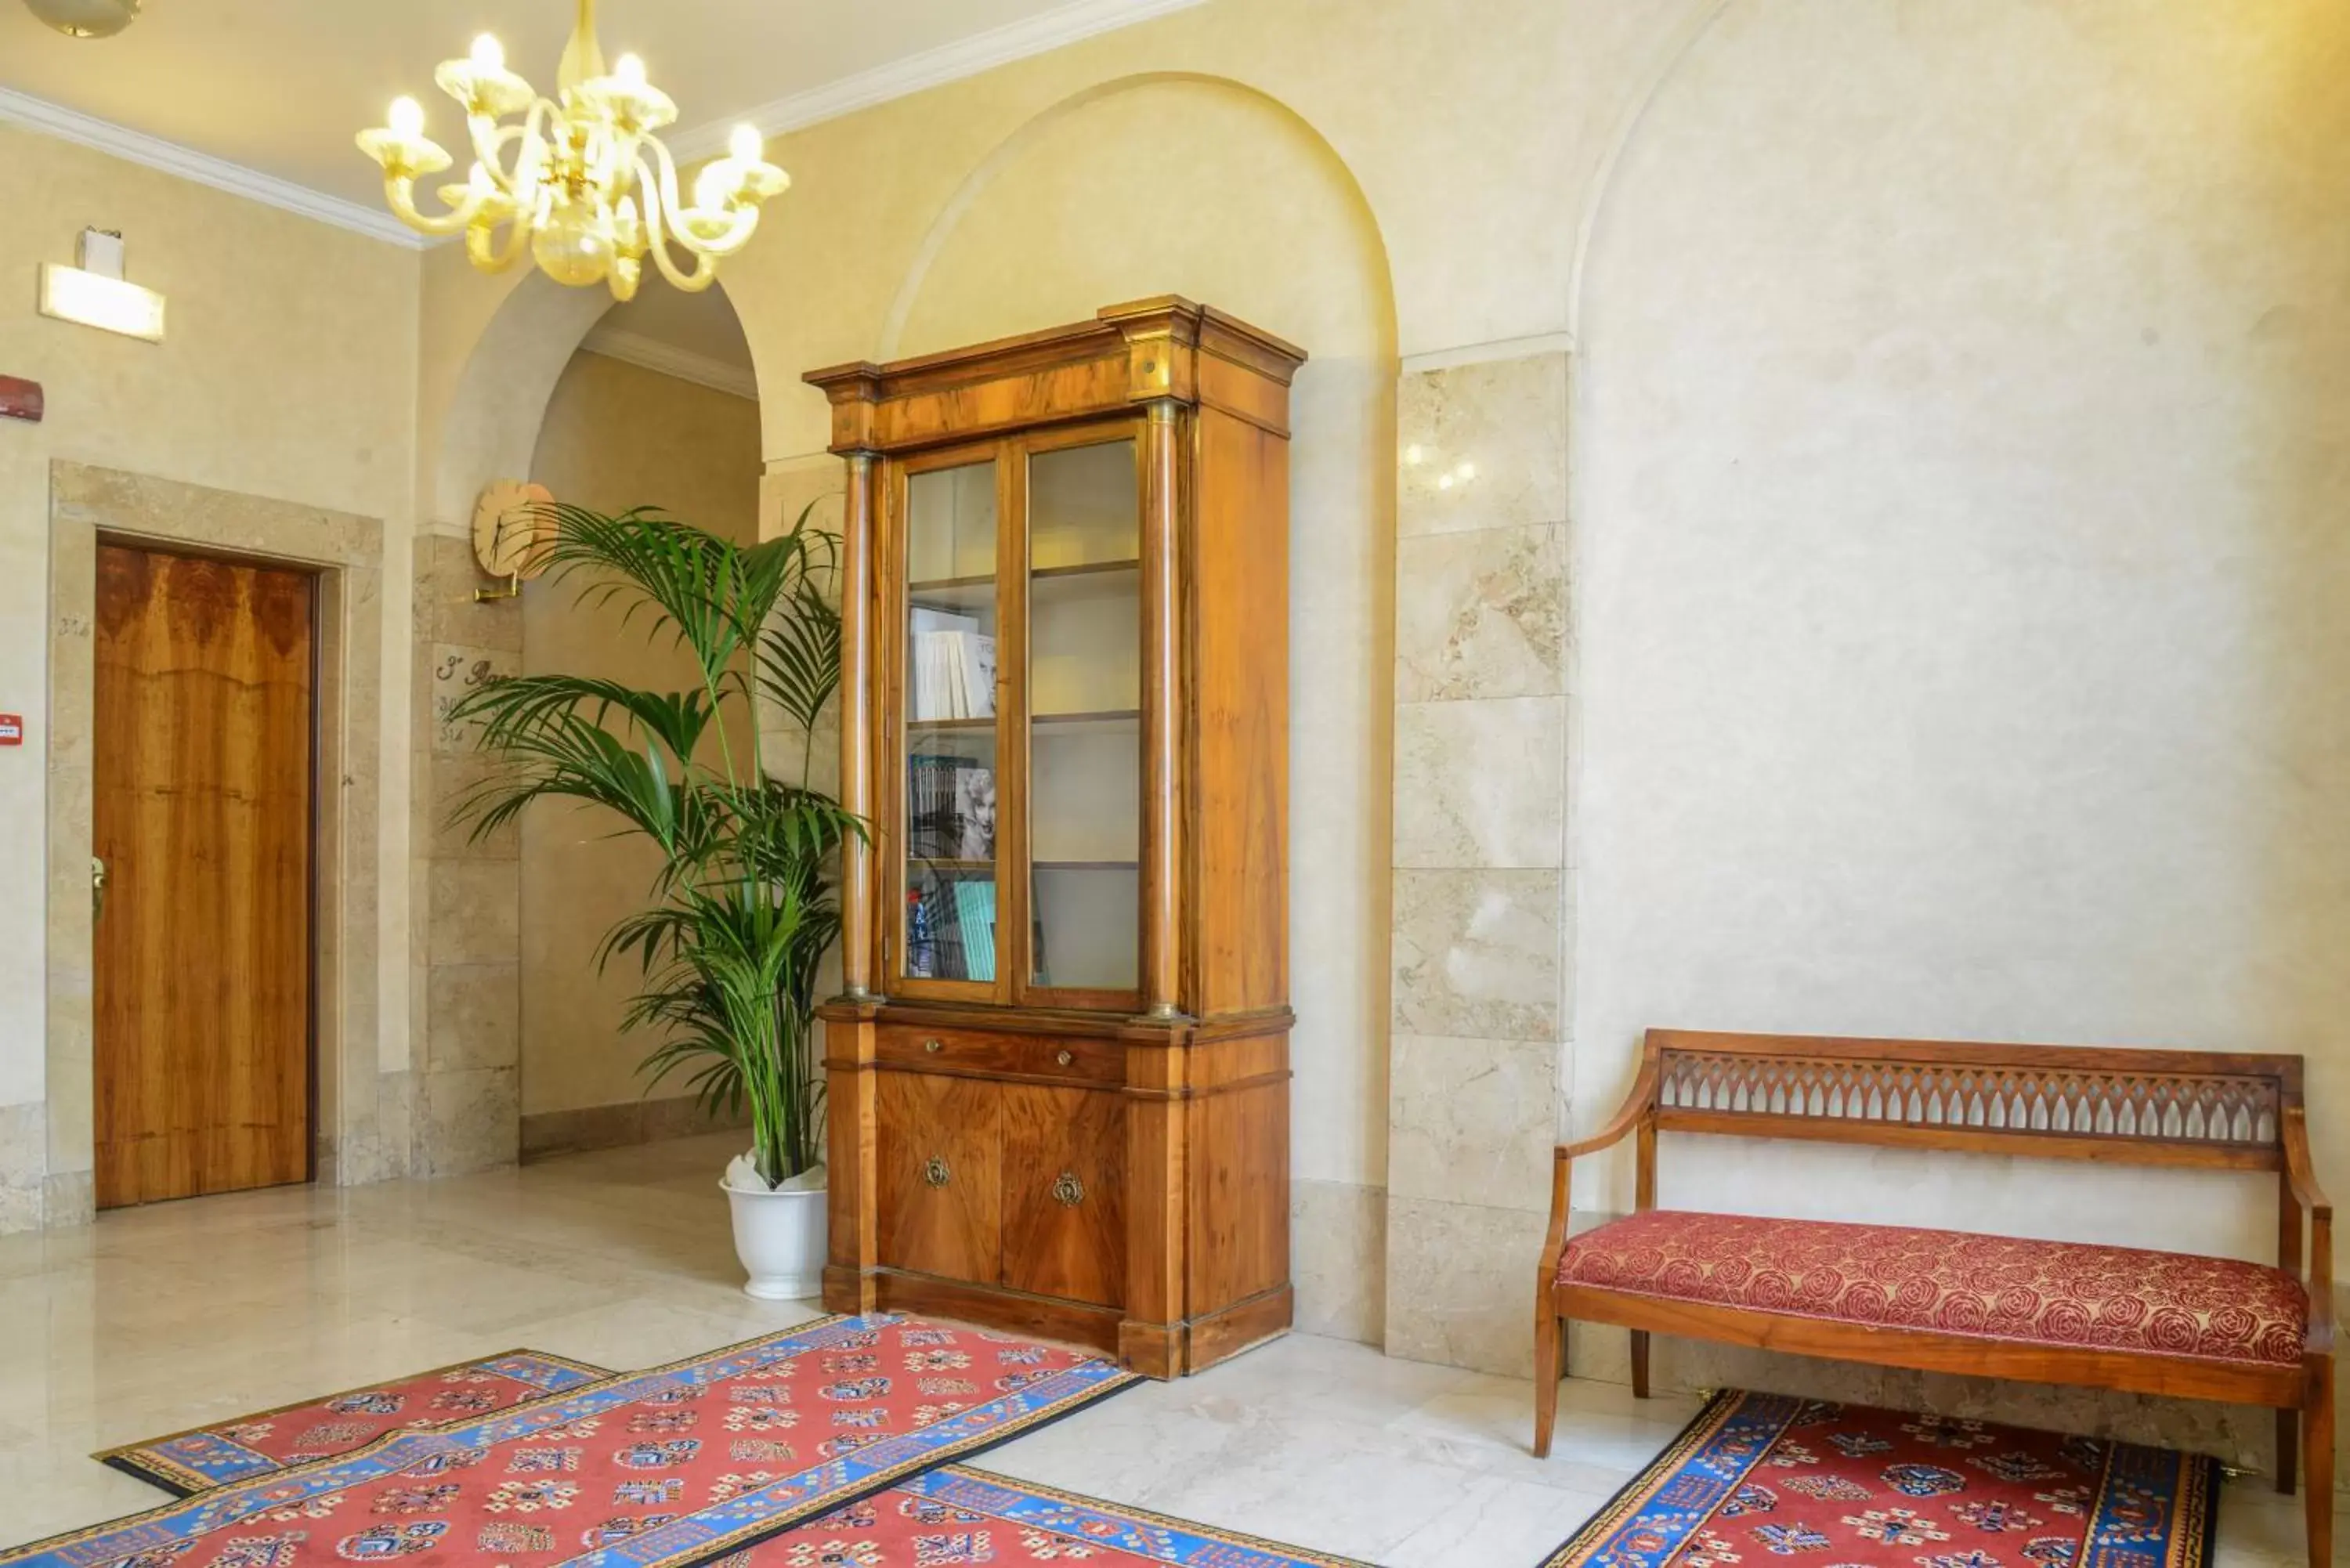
(950, 808)
(953, 674)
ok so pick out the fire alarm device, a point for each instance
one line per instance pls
(20, 399)
(12, 730)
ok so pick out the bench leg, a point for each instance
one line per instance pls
(2288, 1451)
(2317, 1464)
(1639, 1364)
(1550, 1366)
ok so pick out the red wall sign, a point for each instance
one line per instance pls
(12, 730)
(20, 399)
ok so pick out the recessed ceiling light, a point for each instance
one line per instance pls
(85, 18)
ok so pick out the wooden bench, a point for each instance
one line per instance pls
(1941, 1301)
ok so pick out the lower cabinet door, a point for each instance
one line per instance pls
(1063, 1203)
(938, 1175)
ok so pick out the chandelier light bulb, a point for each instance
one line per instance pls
(407, 117)
(489, 54)
(746, 146)
(631, 70)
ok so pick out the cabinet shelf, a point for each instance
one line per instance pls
(1111, 722)
(936, 863)
(965, 593)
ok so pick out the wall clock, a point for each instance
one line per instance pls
(511, 536)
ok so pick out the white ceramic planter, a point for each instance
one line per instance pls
(779, 1237)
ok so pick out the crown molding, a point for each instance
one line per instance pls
(1038, 35)
(153, 152)
(969, 57)
(651, 354)
(1488, 353)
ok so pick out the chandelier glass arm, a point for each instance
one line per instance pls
(662, 192)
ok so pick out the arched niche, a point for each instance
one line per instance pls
(1206, 188)
(493, 420)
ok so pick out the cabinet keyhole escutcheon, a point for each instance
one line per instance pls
(935, 1171)
(934, 1047)
(1068, 1192)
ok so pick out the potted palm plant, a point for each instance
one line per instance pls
(739, 917)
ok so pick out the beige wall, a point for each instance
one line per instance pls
(616, 436)
(1962, 450)
(238, 398)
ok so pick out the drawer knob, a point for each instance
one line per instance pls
(934, 1047)
(935, 1171)
(1068, 1192)
(1064, 1058)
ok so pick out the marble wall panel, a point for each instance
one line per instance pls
(1480, 782)
(1481, 613)
(1483, 446)
(1337, 1242)
(1479, 953)
(1472, 1117)
(1456, 1284)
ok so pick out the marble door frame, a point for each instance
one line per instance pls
(348, 553)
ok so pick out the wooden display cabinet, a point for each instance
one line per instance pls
(1059, 1067)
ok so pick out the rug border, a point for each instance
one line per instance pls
(1701, 1429)
(2194, 1473)
(1312, 1556)
(119, 1457)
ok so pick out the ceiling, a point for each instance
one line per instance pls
(267, 94)
(280, 86)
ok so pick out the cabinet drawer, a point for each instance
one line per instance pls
(1100, 1061)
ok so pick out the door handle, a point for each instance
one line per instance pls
(97, 889)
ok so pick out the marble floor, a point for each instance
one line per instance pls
(159, 1319)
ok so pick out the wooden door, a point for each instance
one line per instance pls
(936, 1174)
(203, 759)
(1065, 1192)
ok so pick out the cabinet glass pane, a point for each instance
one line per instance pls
(1084, 736)
(949, 922)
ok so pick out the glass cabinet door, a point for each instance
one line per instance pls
(946, 929)
(1083, 690)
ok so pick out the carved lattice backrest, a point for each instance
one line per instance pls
(2051, 1098)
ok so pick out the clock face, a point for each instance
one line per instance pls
(509, 538)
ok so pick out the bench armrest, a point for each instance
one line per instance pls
(1637, 1106)
(2301, 1176)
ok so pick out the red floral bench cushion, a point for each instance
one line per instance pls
(1990, 1287)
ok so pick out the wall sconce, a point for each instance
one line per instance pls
(95, 294)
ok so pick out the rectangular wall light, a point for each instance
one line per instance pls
(108, 304)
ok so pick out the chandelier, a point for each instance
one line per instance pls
(581, 178)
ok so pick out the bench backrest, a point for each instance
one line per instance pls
(2139, 1106)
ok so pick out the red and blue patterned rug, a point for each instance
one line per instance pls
(1759, 1478)
(244, 1446)
(827, 1446)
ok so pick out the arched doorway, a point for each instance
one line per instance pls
(518, 1050)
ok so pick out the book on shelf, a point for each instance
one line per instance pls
(953, 673)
